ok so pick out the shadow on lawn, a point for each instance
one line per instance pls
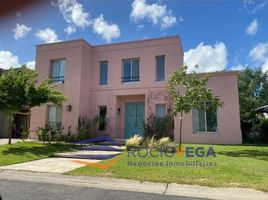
(257, 154)
(47, 150)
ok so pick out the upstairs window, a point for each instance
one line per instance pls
(131, 70)
(54, 119)
(103, 73)
(160, 68)
(204, 121)
(57, 71)
(160, 110)
(102, 117)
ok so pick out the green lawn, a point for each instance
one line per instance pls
(27, 151)
(237, 166)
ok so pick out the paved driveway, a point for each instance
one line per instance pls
(56, 165)
(5, 141)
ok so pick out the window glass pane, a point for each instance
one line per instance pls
(160, 110)
(160, 68)
(59, 114)
(102, 116)
(61, 68)
(52, 114)
(135, 70)
(127, 70)
(57, 70)
(199, 120)
(54, 68)
(211, 121)
(104, 73)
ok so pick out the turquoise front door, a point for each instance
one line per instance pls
(134, 119)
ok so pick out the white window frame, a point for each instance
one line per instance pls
(156, 68)
(55, 123)
(104, 61)
(51, 70)
(160, 104)
(131, 71)
(206, 128)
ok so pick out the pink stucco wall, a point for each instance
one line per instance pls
(85, 94)
(224, 85)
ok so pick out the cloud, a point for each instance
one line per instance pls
(259, 55)
(69, 30)
(21, 31)
(155, 14)
(31, 64)
(252, 27)
(209, 58)
(259, 6)
(254, 6)
(7, 60)
(73, 13)
(47, 35)
(104, 29)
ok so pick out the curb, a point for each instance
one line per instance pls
(135, 186)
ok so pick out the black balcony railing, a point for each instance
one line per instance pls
(57, 79)
(55, 125)
(130, 79)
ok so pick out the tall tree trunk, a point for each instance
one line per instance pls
(11, 118)
(180, 130)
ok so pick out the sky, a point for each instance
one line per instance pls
(216, 34)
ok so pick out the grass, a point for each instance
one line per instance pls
(27, 151)
(237, 166)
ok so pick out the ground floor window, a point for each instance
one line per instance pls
(205, 121)
(160, 110)
(54, 116)
(102, 117)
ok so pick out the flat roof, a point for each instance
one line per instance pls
(110, 44)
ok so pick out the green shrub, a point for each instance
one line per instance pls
(159, 127)
(264, 129)
(49, 134)
(87, 128)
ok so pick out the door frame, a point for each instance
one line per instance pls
(125, 114)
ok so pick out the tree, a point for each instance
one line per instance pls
(189, 91)
(19, 90)
(253, 92)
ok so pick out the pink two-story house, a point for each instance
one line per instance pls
(125, 83)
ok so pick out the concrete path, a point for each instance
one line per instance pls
(54, 165)
(5, 141)
(135, 186)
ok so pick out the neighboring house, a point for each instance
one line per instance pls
(3, 121)
(21, 120)
(125, 83)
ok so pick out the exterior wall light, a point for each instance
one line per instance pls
(69, 108)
